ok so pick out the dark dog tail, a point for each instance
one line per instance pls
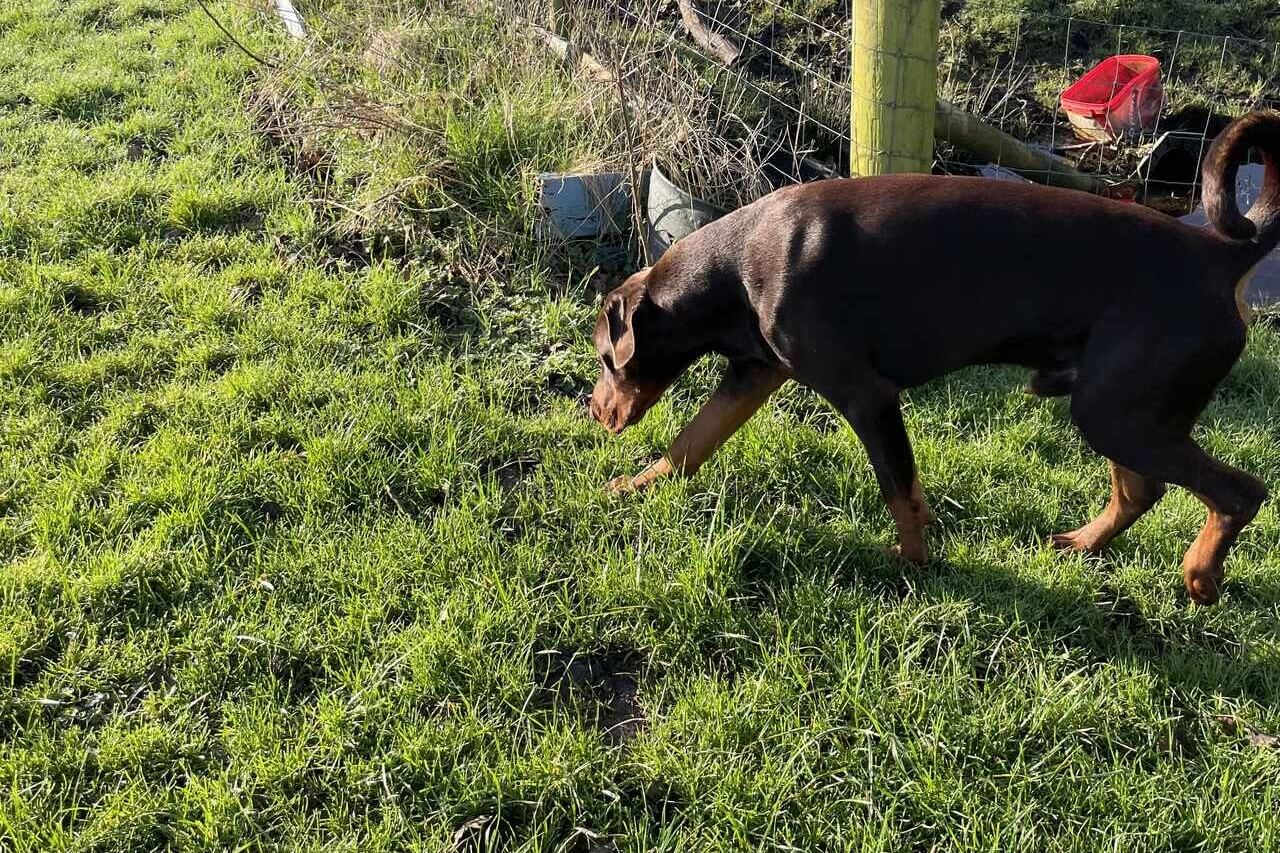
(1261, 226)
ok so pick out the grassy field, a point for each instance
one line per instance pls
(306, 548)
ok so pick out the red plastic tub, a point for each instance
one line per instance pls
(1122, 94)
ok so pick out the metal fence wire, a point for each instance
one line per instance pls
(735, 98)
(762, 91)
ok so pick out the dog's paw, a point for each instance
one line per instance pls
(914, 556)
(1076, 540)
(620, 485)
(1203, 583)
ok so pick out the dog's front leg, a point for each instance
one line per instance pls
(872, 408)
(743, 390)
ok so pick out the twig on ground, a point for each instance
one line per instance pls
(246, 51)
(724, 49)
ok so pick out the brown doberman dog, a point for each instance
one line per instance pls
(861, 288)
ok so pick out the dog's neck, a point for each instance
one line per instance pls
(703, 299)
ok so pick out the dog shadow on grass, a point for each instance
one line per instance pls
(1188, 651)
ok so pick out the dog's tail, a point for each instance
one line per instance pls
(1261, 226)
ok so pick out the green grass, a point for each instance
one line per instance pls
(1220, 55)
(302, 553)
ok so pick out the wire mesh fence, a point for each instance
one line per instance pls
(731, 100)
(763, 93)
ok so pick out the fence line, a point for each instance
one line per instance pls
(780, 112)
(800, 82)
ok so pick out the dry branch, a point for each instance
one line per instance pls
(578, 59)
(724, 49)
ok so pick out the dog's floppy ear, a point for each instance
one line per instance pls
(620, 310)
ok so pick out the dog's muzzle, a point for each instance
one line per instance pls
(608, 416)
(616, 408)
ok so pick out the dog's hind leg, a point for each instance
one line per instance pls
(1131, 495)
(1231, 496)
(744, 389)
(1160, 450)
(876, 416)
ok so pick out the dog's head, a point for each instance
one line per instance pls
(638, 358)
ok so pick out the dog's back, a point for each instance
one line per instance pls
(932, 273)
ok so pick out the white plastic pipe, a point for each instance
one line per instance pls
(292, 20)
